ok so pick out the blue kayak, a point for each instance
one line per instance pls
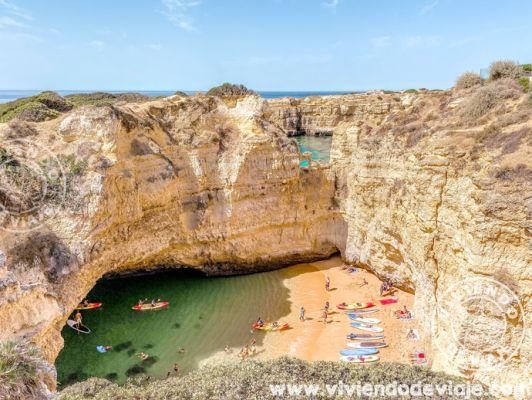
(101, 349)
(359, 352)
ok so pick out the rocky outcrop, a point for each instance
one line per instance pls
(320, 116)
(172, 183)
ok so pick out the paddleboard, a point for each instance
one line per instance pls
(365, 345)
(358, 352)
(360, 312)
(270, 327)
(365, 336)
(360, 359)
(91, 306)
(367, 328)
(101, 349)
(148, 306)
(364, 320)
(354, 306)
(81, 329)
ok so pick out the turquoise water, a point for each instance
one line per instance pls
(319, 146)
(205, 314)
(10, 95)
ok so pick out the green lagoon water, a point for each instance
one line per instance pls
(205, 314)
(318, 146)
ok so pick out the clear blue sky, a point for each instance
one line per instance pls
(265, 44)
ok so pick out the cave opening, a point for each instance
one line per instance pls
(204, 315)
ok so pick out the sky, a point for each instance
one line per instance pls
(264, 44)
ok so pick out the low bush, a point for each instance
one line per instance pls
(41, 107)
(505, 69)
(229, 89)
(525, 83)
(252, 380)
(527, 67)
(20, 379)
(468, 80)
(485, 98)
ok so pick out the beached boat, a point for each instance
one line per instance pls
(270, 326)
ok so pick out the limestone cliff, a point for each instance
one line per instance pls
(431, 201)
(176, 182)
(421, 189)
(321, 115)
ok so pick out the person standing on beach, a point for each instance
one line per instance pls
(325, 314)
(327, 284)
(302, 314)
(327, 305)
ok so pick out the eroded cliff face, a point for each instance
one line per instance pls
(176, 182)
(433, 203)
(414, 192)
(321, 115)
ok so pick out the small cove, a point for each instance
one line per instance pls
(205, 314)
(318, 146)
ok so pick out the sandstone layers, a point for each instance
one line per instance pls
(412, 193)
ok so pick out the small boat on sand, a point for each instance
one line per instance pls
(365, 336)
(354, 306)
(359, 352)
(270, 327)
(360, 359)
(365, 345)
(367, 328)
(364, 320)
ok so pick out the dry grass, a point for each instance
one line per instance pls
(468, 80)
(505, 69)
(486, 98)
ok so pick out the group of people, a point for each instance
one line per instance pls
(246, 351)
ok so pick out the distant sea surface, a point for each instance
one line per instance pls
(10, 95)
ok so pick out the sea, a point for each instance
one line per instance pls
(10, 95)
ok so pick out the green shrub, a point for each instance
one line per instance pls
(468, 80)
(525, 84)
(527, 67)
(411, 91)
(229, 89)
(41, 107)
(20, 363)
(505, 69)
(252, 380)
(100, 99)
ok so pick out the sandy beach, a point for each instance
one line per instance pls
(313, 339)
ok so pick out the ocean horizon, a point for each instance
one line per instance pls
(10, 95)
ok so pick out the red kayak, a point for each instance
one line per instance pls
(90, 306)
(149, 306)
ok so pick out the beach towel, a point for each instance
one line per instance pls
(388, 301)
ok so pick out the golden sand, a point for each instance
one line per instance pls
(313, 339)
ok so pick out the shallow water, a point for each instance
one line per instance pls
(319, 146)
(205, 314)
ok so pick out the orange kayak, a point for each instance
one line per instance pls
(270, 327)
(148, 306)
(91, 306)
